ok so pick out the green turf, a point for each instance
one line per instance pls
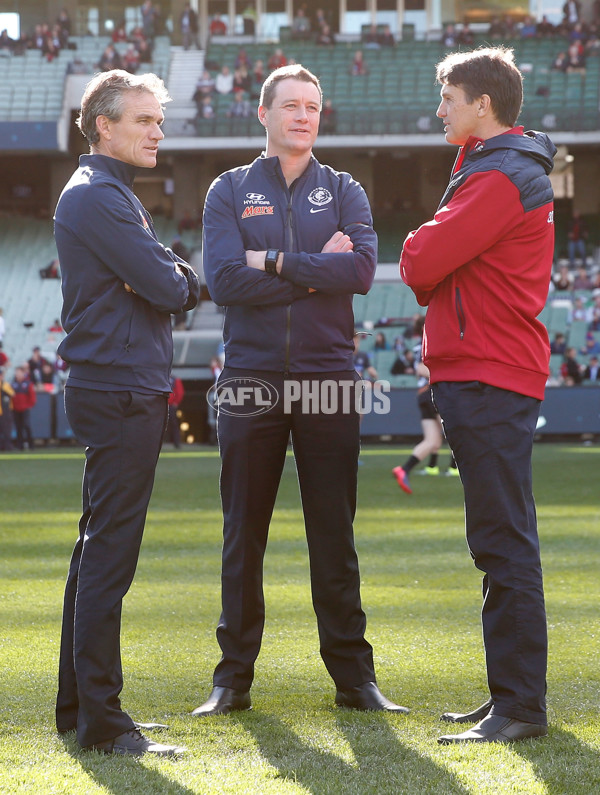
(421, 594)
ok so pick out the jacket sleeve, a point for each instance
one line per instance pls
(229, 280)
(480, 213)
(114, 231)
(343, 274)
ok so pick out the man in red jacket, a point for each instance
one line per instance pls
(482, 266)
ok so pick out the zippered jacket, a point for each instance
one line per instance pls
(273, 322)
(24, 397)
(105, 238)
(482, 266)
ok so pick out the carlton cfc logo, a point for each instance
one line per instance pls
(320, 196)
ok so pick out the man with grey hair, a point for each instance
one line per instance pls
(120, 287)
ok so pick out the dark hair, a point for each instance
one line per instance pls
(487, 70)
(290, 72)
(103, 96)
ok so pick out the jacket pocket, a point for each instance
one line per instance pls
(460, 314)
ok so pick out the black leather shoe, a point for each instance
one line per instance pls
(367, 697)
(133, 743)
(223, 700)
(496, 729)
(469, 717)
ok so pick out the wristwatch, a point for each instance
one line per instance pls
(271, 261)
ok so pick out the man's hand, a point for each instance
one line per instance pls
(339, 243)
(129, 289)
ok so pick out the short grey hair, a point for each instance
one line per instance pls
(103, 96)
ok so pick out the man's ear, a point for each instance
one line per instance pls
(261, 115)
(103, 127)
(485, 105)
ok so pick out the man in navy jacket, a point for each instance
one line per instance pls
(287, 243)
(120, 287)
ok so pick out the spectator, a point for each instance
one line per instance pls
(258, 77)
(205, 87)
(386, 37)
(249, 18)
(358, 66)
(594, 314)
(465, 36)
(187, 222)
(149, 19)
(571, 13)
(300, 25)
(592, 345)
(449, 37)
(592, 371)
(2, 327)
(276, 60)
(56, 326)
(173, 432)
(51, 271)
(560, 63)
(370, 38)
(242, 59)
(242, 80)
(24, 399)
(240, 107)
(362, 361)
(6, 405)
(110, 59)
(575, 57)
(328, 118)
(529, 28)
(582, 281)
(559, 344)
(545, 29)
(325, 37)
(571, 371)
(36, 364)
(580, 312)
(6, 43)
(63, 20)
(224, 81)
(206, 109)
(217, 26)
(497, 29)
(563, 280)
(577, 234)
(188, 22)
(119, 33)
(380, 342)
(131, 59)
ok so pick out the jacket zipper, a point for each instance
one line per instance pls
(459, 312)
(290, 247)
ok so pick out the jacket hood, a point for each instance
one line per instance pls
(536, 145)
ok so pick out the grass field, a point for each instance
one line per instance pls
(421, 594)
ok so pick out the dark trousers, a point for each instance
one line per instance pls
(122, 433)
(490, 431)
(253, 449)
(23, 428)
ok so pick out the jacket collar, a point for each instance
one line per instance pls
(122, 171)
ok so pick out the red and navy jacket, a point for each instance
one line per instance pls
(482, 266)
(274, 323)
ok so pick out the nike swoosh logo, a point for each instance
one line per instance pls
(322, 210)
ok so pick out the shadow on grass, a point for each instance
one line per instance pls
(380, 763)
(563, 762)
(119, 774)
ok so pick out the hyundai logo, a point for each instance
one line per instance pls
(255, 197)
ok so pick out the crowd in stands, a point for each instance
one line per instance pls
(46, 37)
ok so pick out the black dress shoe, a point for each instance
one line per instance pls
(223, 700)
(367, 697)
(496, 729)
(469, 717)
(133, 743)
